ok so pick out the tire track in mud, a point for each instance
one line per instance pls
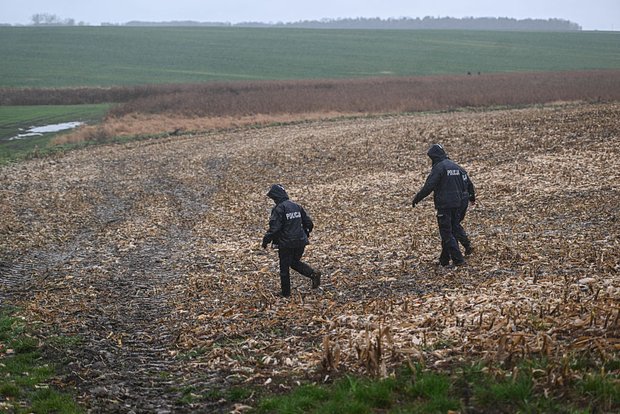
(139, 371)
(123, 363)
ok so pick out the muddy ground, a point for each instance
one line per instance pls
(149, 253)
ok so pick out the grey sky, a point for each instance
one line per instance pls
(590, 14)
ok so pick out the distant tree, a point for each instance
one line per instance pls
(47, 19)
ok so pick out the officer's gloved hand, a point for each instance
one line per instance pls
(413, 203)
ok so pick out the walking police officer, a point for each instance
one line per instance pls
(289, 228)
(451, 188)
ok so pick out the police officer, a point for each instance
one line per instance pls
(448, 186)
(289, 228)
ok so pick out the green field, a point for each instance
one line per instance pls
(16, 119)
(59, 57)
(66, 57)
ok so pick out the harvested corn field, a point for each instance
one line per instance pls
(149, 252)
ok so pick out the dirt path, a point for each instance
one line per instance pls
(118, 274)
(148, 252)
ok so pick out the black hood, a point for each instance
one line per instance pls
(437, 153)
(277, 193)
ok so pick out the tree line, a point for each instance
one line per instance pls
(404, 23)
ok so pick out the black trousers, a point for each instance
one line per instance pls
(459, 232)
(448, 220)
(290, 258)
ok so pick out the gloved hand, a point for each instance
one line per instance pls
(264, 244)
(413, 203)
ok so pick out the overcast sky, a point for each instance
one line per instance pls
(590, 14)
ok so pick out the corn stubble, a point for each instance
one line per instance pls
(164, 236)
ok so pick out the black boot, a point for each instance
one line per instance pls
(316, 279)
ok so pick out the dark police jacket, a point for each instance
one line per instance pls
(289, 225)
(445, 181)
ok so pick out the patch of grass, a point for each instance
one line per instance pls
(612, 365)
(432, 391)
(213, 395)
(348, 395)
(50, 401)
(190, 355)
(63, 342)
(9, 391)
(24, 373)
(603, 390)
(17, 119)
(191, 395)
(304, 399)
(504, 393)
(188, 396)
(471, 387)
(238, 394)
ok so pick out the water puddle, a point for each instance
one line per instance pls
(46, 129)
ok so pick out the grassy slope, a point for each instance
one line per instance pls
(105, 56)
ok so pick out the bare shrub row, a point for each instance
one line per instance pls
(380, 94)
(365, 95)
(77, 96)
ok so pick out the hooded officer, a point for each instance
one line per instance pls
(449, 188)
(289, 228)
